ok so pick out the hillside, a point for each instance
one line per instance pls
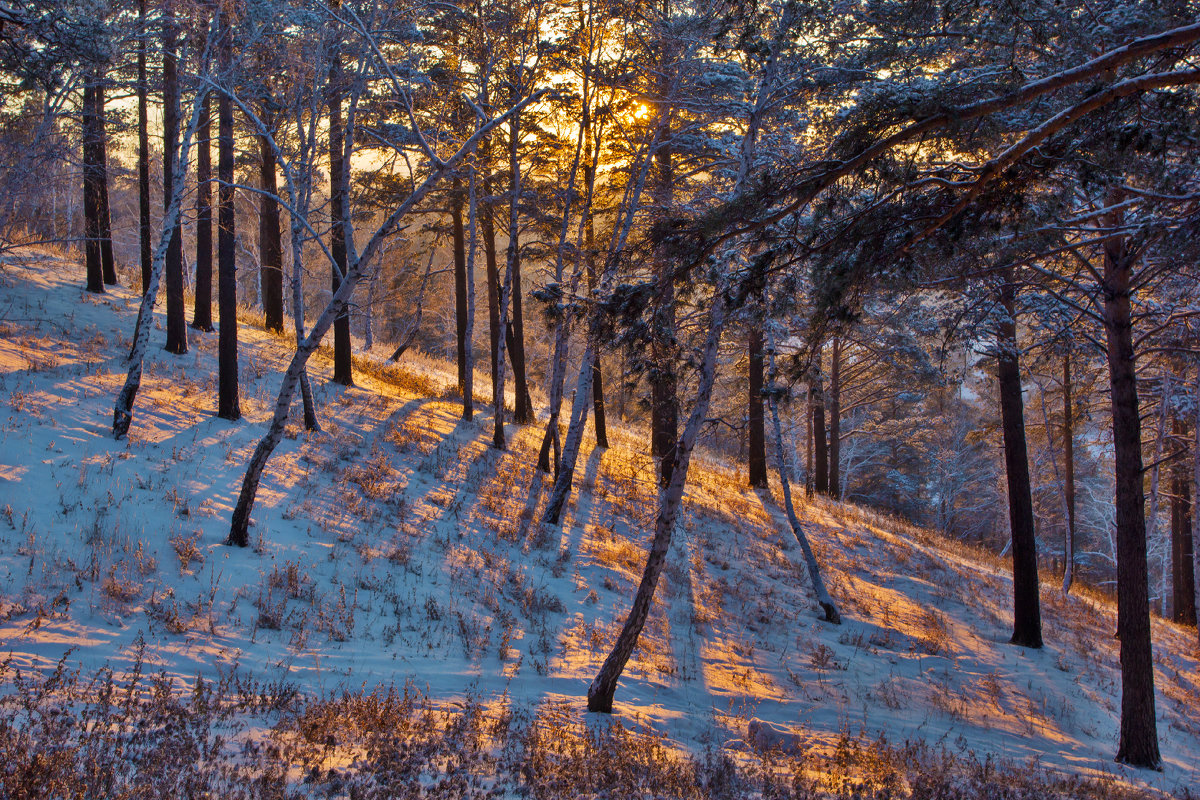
(394, 550)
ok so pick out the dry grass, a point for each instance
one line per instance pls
(135, 736)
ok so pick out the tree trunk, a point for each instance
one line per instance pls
(91, 188)
(145, 246)
(819, 438)
(105, 215)
(270, 244)
(1155, 494)
(488, 229)
(1196, 495)
(1138, 743)
(757, 457)
(202, 311)
(228, 406)
(1027, 617)
(835, 419)
(343, 372)
(460, 282)
(1069, 476)
(810, 560)
(1183, 579)
(670, 498)
(523, 409)
(468, 352)
(176, 324)
(664, 402)
(123, 408)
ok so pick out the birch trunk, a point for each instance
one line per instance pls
(670, 498)
(123, 410)
(810, 560)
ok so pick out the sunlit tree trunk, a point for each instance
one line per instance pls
(835, 418)
(123, 408)
(1183, 579)
(670, 498)
(810, 560)
(460, 282)
(757, 455)
(143, 133)
(228, 406)
(105, 211)
(270, 239)
(176, 324)
(202, 308)
(338, 199)
(90, 126)
(819, 437)
(1069, 474)
(1027, 618)
(1138, 744)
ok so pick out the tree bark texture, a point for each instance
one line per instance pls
(460, 281)
(1027, 617)
(270, 239)
(202, 308)
(228, 406)
(1138, 744)
(1069, 474)
(1183, 579)
(123, 408)
(757, 451)
(105, 215)
(835, 418)
(810, 560)
(143, 133)
(90, 124)
(343, 372)
(819, 438)
(176, 324)
(670, 498)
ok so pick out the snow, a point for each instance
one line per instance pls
(397, 546)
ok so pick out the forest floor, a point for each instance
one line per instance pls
(399, 594)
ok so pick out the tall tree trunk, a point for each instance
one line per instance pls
(146, 247)
(670, 498)
(123, 408)
(504, 294)
(1155, 494)
(523, 413)
(460, 283)
(1069, 476)
(105, 215)
(487, 227)
(338, 199)
(176, 324)
(819, 438)
(1027, 616)
(835, 419)
(202, 310)
(1138, 743)
(228, 406)
(1183, 578)
(91, 187)
(468, 387)
(810, 560)
(757, 457)
(664, 402)
(523, 409)
(1195, 530)
(270, 238)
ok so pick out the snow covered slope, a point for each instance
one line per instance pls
(397, 546)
